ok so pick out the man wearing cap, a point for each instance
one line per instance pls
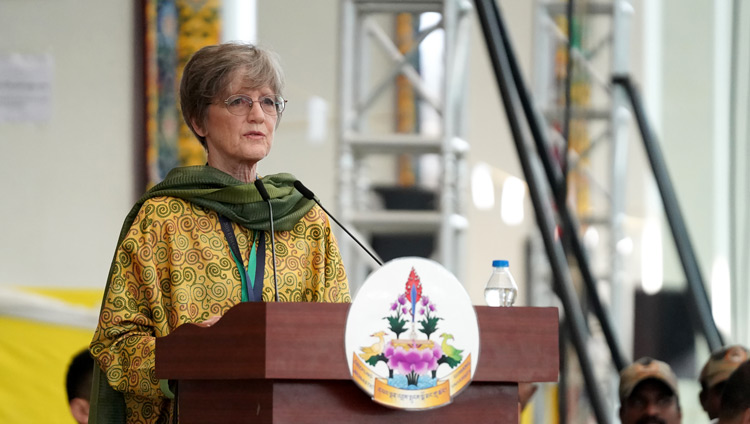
(648, 393)
(715, 373)
(735, 400)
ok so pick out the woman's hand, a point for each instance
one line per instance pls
(209, 322)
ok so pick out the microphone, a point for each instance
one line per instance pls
(310, 195)
(266, 198)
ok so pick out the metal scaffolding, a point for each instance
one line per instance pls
(589, 121)
(599, 198)
(366, 130)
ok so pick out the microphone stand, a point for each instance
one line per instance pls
(310, 195)
(264, 194)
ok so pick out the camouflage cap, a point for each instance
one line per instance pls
(644, 369)
(721, 364)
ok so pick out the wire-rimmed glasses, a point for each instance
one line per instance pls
(240, 104)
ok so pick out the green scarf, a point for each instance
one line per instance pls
(240, 202)
(218, 191)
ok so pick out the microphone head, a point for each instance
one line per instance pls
(262, 190)
(304, 190)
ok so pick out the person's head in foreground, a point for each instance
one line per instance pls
(78, 385)
(715, 373)
(230, 96)
(648, 393)
(735, 400)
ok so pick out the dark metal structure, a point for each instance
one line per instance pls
(544, 192)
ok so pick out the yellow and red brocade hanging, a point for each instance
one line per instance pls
(175, 29)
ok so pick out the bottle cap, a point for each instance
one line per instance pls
(498, 263)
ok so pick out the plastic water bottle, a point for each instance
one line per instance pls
(501, 289)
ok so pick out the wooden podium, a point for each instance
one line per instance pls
(286, 363)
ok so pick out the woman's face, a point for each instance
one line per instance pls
(237, 142)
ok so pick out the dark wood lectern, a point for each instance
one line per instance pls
(286, 363)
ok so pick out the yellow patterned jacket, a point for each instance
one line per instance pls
(174, 267)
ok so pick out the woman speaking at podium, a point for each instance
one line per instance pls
(202, 240)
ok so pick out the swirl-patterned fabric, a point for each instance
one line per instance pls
(174, 267)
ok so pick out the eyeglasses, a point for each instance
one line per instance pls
(241, 105)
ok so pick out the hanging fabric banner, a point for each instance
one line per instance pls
(175, 29)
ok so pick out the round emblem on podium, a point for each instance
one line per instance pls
(412, 339)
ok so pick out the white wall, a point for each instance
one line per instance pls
(68, 183)
(688, 121)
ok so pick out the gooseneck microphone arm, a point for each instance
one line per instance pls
(264, 194)
(310, 195)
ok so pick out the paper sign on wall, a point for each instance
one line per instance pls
(26, 87)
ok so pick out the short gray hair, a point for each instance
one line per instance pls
(209, 72)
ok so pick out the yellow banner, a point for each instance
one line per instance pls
(461, 377)
(412, 399)
(431, 397)
(362, 375)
